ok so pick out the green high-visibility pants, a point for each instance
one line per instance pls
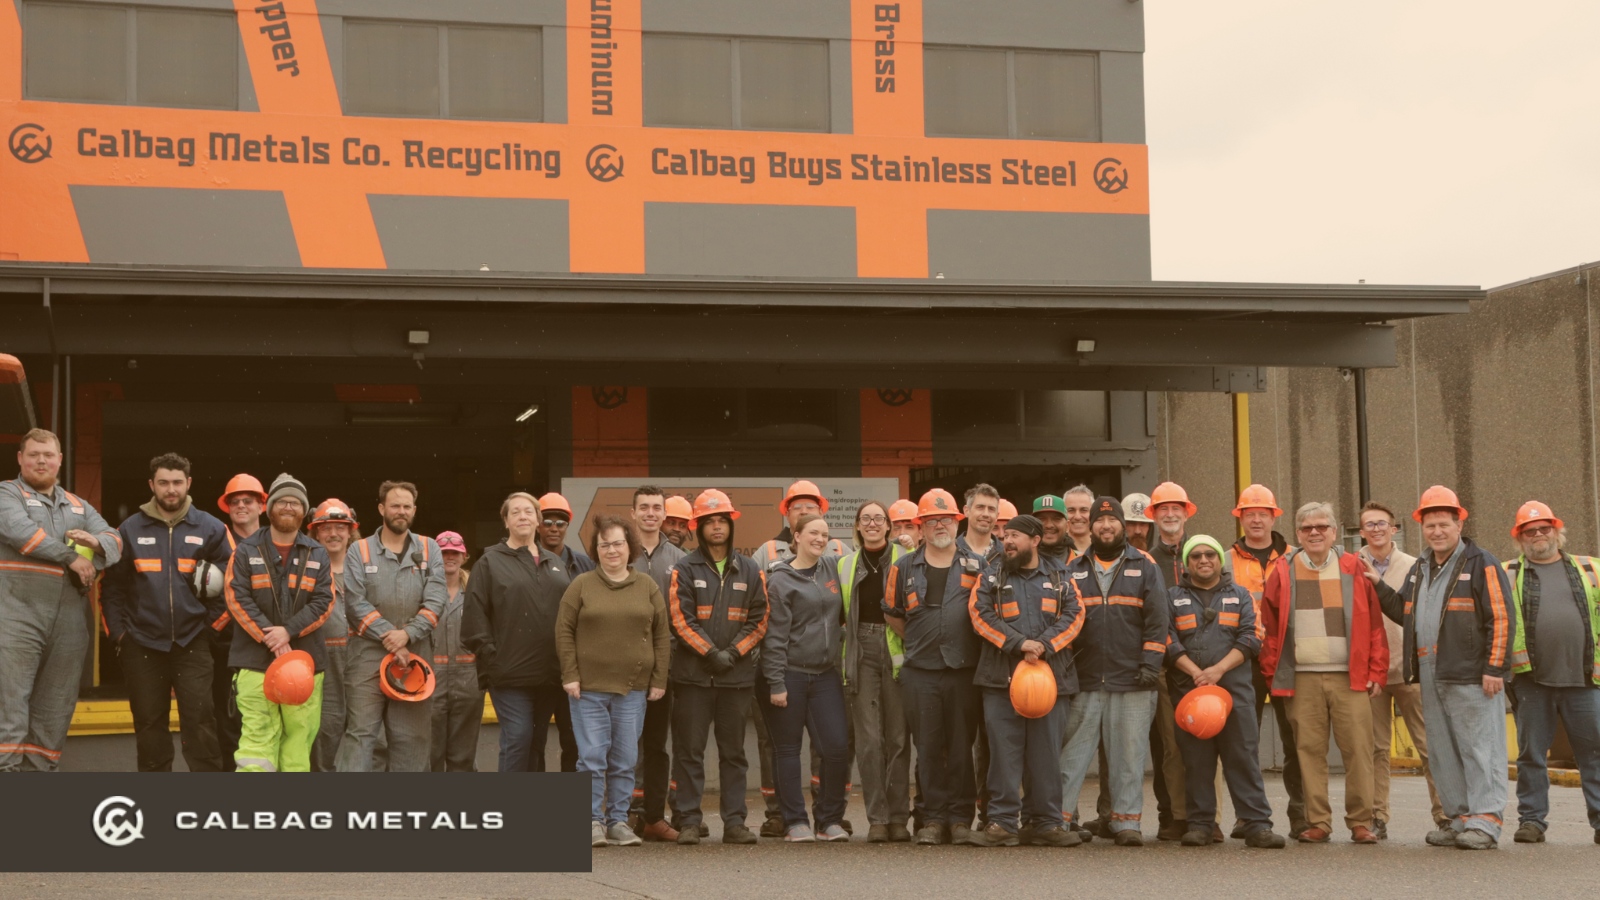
(274, 737)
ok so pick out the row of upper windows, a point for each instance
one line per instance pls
(190, 58)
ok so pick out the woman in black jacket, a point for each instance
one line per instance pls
(510, 623)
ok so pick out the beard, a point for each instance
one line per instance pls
(1109, 550)
(174, 506)
(397, 524)
(941, 542)
(1018, 563)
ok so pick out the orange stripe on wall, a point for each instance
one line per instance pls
(610, 431)
(886, 102)
(593, 66)
(896, 433)
(293, 78)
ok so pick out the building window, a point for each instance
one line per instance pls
(742, 83)
(1036, 94)
(438, 71)
(181, 58)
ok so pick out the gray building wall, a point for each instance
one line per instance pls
(1498, 404)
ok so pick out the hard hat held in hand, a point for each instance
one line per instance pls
(413, 683)
(290, 679)
(206, 580)
(1203, 711)
(1033, 689)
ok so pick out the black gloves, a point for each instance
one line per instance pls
(1149, 678)
(720, 661)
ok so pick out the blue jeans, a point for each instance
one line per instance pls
(524, 715)
(1466, 751)
(1121, 719)
(1539, 708)
(607, 727)
(816, 705)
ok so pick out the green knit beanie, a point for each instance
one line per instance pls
(1201, 540)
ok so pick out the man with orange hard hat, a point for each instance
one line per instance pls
(1171, 509)
(1008, 511)
(1555, 652)
(242, 502)
(1248, 561)
(555, 515)
(926, 603)
(1460, 621)
(903, 527)
(675, 526)
(1213, 635)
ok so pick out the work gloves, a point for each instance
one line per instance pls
(1149, 678)
(720, 661)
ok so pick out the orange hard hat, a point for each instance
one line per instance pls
(712, 502)
(1033, 689)
(1171, 492)
(1439, 497)
(802, 489)
(938, 503)
(333, 511)
(902, 511)
(1203, 711)
(1008, 511)
(679, 508)
(241, 484)
(1534, 511)
(554, 502)
(290, 678)
(412, 683)
(1256, 496)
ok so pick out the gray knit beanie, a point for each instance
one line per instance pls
(286, 485)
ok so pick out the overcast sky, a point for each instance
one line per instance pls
(1400, 141)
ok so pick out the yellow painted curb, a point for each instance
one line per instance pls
(96, 717)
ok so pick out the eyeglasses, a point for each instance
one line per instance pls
(1203, 554)
(1537, 530)
(552, 523)
(612, 545)
(1316, 529)
(874, 520)
(1376, 525)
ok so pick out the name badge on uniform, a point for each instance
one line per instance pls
(257, 561)
(740, 585)
(1181, 601)
(313, 564)
(699, 583)
(1006, 587)
(77, 510)
(1230, 601)
(194, 539)
(1464, 577)
(146, 542)
(1131, 573)
(372, 570)
(1047, 585)
(1079, 575)
(33, 502)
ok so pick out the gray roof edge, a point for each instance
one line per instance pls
(1532, 279)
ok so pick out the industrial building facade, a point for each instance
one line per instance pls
(492, 245)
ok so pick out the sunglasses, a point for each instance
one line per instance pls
(1537, 530)
(552, 523)
(1316, 529)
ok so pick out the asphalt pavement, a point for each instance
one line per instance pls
(1568, 865)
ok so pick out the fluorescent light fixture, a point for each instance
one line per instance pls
(1086, 346)
(528, 413)
(417, 338)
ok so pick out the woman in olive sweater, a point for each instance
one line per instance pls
(800, 659)
(614, 644)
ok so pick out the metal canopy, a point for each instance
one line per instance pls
(862, 332)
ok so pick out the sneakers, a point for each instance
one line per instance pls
(620, 835)
(738, 834)
(1130, 838)
(1381, 829)
(1473, 839)
(1361, 834)
(933, 834)
(1052, 837)
(1314, 836)
(772, 827)
(1265, 839)
(898, 834)
(1530, 833)
(834, 833)
(659, 830)
(995, 835)
(1441, 837)
(1196, 837)
(799, 834)
(597, 835)
(878, 834)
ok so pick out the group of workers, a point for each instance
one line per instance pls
(299, 645)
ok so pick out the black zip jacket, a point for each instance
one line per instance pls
(712, 611)
(1479, 619)
(1121, 631)
(147, 595)
(1207, 629)
(262, 593)
(509, 622)
(938, 630)
(1035, 605)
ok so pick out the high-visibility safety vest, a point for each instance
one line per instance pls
(1589, 576)
(847, 583)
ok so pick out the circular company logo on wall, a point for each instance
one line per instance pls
(608, 396)
(26, 144)
(112, 824)
(1110, 176)
(894, 396)
(604, 162)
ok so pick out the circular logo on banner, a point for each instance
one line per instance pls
(609, 397)
(26, 145)
(604, 163)
(112, 824)
(894, 396)
(1110, 176)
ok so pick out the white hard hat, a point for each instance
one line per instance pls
(1133, 507)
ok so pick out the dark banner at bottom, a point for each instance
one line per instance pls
(320, 822)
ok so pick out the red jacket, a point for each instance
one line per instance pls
(1369, 646)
